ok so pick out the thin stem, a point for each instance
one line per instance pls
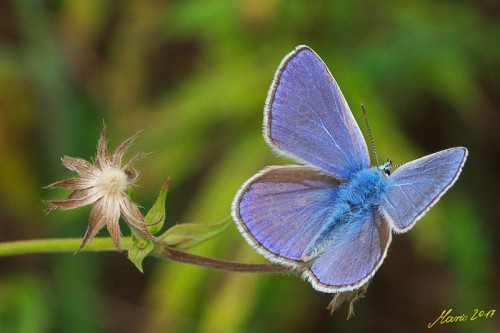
(58, 245)
(65, 245)
(193, 259)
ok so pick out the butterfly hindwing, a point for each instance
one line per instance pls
(358, 247)
(417, 186)
(281, 209)
(307, 117)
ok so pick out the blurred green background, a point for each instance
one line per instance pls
(194, 75)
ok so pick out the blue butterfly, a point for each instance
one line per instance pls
(331, 217)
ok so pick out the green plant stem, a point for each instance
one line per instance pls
(58, 245)
(64, 245)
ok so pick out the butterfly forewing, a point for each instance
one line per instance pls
(281, 209)
(417, 186)
(307, 117)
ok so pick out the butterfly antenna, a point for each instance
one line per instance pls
(396, 166)
(370, 132)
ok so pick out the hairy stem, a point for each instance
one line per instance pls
(63, 245)
(172, 254)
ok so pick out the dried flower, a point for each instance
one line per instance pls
(103, 185)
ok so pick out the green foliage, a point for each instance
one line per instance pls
(181, 236)
(139, 250)
(186, 235)
(155, 218)
(141, 246)
(24, 307)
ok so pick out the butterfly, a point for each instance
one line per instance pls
(332, 216)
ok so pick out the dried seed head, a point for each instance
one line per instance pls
(112, 181)
(104, 186)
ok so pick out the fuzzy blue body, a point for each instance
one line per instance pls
(353, 201)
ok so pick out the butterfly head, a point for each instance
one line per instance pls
(386, 167)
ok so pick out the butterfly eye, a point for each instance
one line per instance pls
(386, 167)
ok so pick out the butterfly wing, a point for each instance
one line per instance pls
(307, 118)
(416, 186)
(281, 209)
(357, 249)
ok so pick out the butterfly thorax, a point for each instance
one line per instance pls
(356, 198)
(365, 190)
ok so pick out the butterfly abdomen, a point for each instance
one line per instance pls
(355, 198)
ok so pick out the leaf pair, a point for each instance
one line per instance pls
(181, 236)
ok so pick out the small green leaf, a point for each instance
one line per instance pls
(131, 193)
(156, 215)
(140, 248)
(186, 235)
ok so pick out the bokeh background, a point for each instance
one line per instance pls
(194, 75)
